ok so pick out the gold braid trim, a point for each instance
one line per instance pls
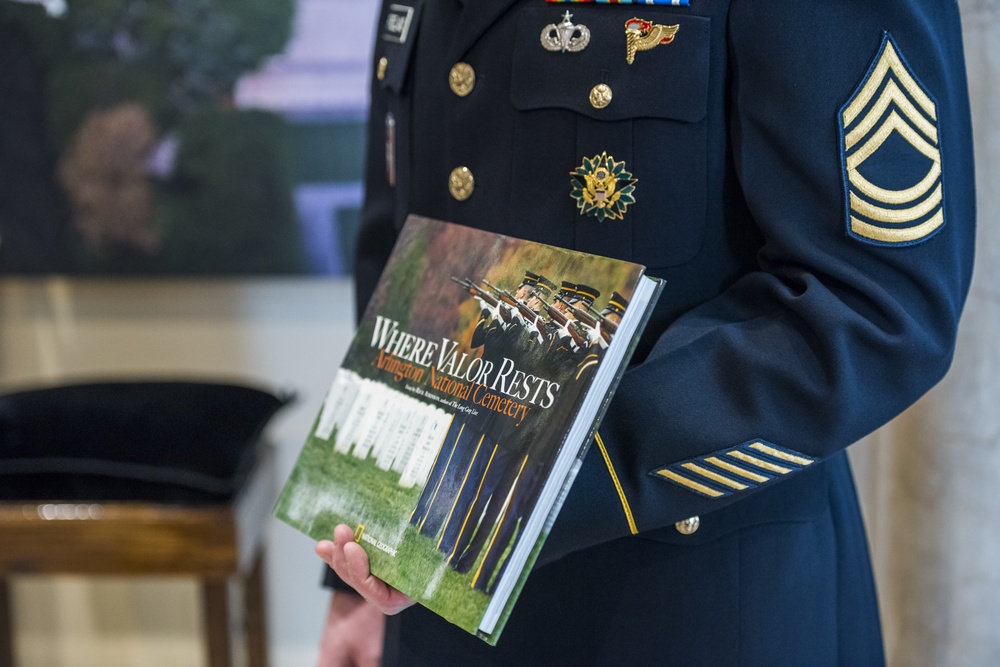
(618, 486)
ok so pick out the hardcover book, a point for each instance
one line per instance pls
(457, 421)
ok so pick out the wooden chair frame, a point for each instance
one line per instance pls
(220, 545)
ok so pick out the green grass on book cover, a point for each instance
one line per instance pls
(375, 494)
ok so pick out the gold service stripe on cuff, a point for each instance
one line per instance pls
(714, 476)
(754, 461)
(690, 483)
(736, 470)
(779, 454)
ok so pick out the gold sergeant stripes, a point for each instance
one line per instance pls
(734, 470)
(890, 106)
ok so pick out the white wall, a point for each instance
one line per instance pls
(280, 333)
(928, 480)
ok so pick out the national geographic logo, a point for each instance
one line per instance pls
(378, 544)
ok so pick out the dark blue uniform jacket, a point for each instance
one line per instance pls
(804, 184)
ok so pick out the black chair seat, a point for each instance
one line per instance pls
(175, 442)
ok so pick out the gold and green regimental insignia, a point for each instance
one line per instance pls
(890, 154)
(602, 188)
(732, 471)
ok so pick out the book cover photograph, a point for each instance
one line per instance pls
(460, 414)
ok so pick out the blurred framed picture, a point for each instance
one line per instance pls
(181, 137)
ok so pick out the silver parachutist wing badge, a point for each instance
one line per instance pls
(565, 36)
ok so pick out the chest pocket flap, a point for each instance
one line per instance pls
(668, 80)
(650, 115)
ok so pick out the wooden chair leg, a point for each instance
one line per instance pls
(215, 603)
(6, 627)
(256, 614)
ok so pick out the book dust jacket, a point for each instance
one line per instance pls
(456, 422)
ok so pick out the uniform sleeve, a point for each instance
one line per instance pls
(850, 135)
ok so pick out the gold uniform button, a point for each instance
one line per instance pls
(600, 96)
(688, 526)
(383, 63)
(461, 183)
(462, 79)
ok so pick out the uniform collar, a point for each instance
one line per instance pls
(477, 17)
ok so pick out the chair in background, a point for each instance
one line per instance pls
(146, 478)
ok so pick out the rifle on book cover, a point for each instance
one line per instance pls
(608, 328)
(572, 327)
(526, 313)
(611, 326)
(478, 292)
(582, 317)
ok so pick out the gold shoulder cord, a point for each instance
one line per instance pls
(618, 486)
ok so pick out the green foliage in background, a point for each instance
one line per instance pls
(224, 207)
(201, 47)
(172, 56)
(229, 208)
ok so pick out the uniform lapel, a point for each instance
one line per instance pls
(477, 17)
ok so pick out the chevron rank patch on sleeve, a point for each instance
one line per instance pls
(740, 468)
(890, 155)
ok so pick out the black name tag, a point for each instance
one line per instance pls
(397, 24)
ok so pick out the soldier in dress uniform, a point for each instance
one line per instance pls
(459, 449)
(486, 485)
(540, 433)
(610, 318)
(800, 174)
(566, 336)
(441, 512)
(615, 308)
(582, 300)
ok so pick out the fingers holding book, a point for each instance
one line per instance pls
(349, 560)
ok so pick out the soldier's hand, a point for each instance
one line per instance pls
(352, 634)
(350, 562)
